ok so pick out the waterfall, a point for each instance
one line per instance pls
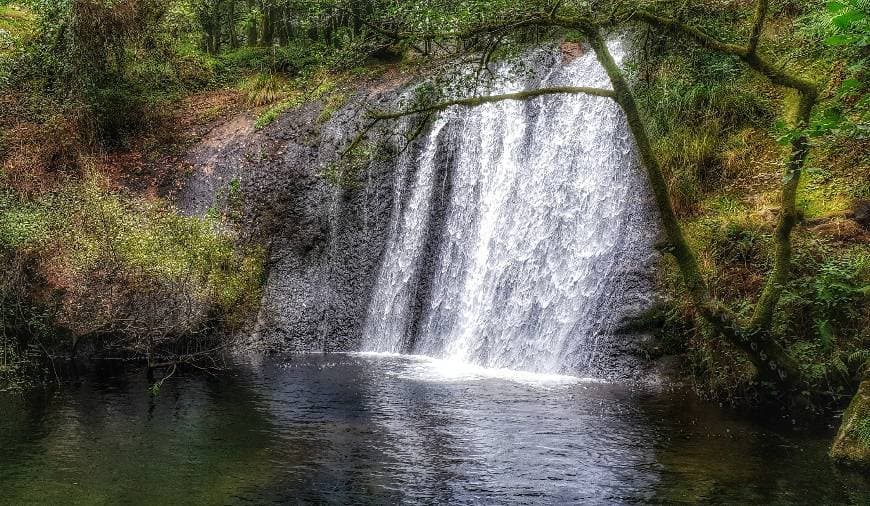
(538, 212)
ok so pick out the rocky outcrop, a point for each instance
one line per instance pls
(325, 240)
(852, 444)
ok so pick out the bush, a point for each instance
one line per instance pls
(690, 124)
(264, 89)
(292, 61)
(131, 268)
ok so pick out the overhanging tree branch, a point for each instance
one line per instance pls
(376, 117)
(751, 58)
(475, 101)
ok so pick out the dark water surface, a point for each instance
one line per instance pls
(385, 429)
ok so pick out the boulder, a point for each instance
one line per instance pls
(852, 444)
(861, 212)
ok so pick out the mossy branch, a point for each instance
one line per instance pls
(757, 25)
(775, 74)
(488, 99)
(788, 217)
(376, 117)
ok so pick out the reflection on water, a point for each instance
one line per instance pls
(382, 428)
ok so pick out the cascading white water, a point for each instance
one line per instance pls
(546, 207)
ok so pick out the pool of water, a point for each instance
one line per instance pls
(386, 429)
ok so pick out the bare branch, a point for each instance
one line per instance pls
(376, 116)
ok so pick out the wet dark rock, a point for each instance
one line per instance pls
(861, 213)
(325, 241)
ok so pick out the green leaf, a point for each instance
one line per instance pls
(846, 19)
(849, 85)
(840, 40)
(835, 7)
(826, 334)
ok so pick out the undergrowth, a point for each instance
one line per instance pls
(127, 272)
(710, 122)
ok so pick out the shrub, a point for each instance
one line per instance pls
(690, 160)
(132, 269)
(264, 89)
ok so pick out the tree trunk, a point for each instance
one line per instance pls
(284, 28)
(356, 21)
(328, 31)
(217, 34)
(268, 33)
(231, 25)
(764, 309)
(770, 359)
(251, 29)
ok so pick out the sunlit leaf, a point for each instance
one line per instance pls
(840, 40)
(848, 18)
(835, 6)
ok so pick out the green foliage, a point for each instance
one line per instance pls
(851, 22)
(264, 89)
(302, 90)
(740, 243)
(839, 284)
(143, 237)
(823, 310)
(80, 57)
(21, 224)
(16, 27)
(843, 26)
(134, 242)
(862, 430)
(296, 60)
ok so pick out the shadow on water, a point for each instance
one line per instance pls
(716, 456)
(350, 429)
(105, 440)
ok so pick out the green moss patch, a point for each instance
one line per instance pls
(852, 444)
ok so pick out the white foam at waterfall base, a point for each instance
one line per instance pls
(545, 212)
(426, 368)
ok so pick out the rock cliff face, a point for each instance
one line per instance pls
(325, 240)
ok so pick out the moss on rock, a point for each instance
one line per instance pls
(852, 444)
